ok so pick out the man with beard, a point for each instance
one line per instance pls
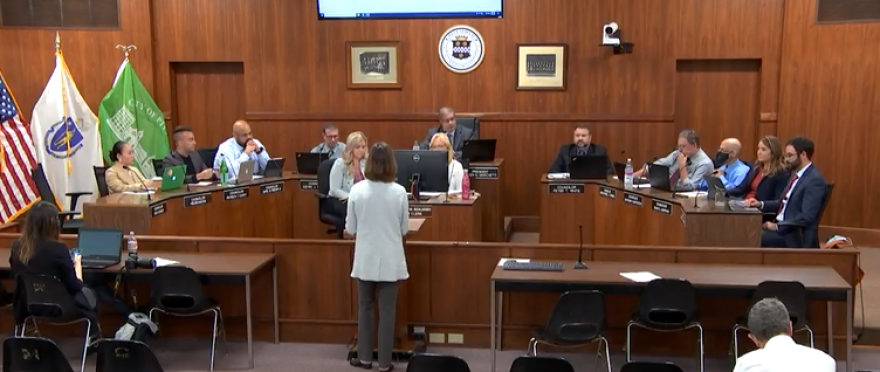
(241, 148)
(582, 146)
(185, 154)
(800, 203)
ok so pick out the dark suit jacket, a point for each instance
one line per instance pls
(802, 208)
(770, 188)
(563, 158)
(174, 159)
(461, 134)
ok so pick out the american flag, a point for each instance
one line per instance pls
(17, 158)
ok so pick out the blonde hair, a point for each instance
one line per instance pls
(348, 156)
(443, 139)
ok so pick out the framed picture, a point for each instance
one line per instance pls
(541, 66)
(373, 64)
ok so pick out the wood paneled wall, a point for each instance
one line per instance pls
(724, 67)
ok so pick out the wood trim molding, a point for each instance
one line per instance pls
(769, 116)
(860, 237)
(431, 116)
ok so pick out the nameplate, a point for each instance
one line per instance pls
(661, 206)
(607, 192)
(271, 188)
(483, 173)
(420, 211)
(157, 209)
(556, 188)
(311, 185)
(632, 199)
(235, 194)
(197, 200)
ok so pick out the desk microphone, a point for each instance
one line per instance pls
(133, 175)
(579, 265)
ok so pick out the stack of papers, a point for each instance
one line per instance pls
(558, 176)
(139, 192)
(503, 260)
(640, 276)
(161, 262)
(204, 183)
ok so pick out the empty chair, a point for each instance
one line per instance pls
(325, 214)
(650, 367)
(577, 319)
(792, 294)
(158, 166)
(540, 364)
(126, 356)
(178, 291)
(30, 354)
(69, 225)
(436, 363)
(666, 305)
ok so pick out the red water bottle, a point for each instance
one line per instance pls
(465, 186)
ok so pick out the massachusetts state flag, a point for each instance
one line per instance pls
(17, 158)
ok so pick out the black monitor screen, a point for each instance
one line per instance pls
(431, 166)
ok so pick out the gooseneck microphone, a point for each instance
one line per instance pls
(579, 265)
(135, 176)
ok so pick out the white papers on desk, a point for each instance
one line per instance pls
(157, 178)
(431, 194)
(558, 176)
(691, 194)
(642, 186)
(204, 183)
(521, 260)
(161, 262)
(139, 192)
(257, 177)
(640, 276)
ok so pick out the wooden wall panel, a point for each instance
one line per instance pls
(206, 95)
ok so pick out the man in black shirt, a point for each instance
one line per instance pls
(582, 145)
(185, 154)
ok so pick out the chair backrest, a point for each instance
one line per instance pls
(101, 180)
(668, 302)
(540, 364)
(30, 354)
(44, 297)
(158, 166)
(792, 294)
(178, 289)
(470, 123)
(577, 316)
(829, 189)
(324, 176)
(126, 356)
(42, 183)
(650, 367)
(208, 154)
(436, 363)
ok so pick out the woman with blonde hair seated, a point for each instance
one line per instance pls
(347, 171)
(440, 142)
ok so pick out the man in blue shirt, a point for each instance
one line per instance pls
(730, 170)
(241, 148)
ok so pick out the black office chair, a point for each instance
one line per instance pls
(540, 364)
(325, 215)
(69, 225)
(578, 318)
(792, 294)
(126, 356)
(650, 367)
(41, 298)
(101, 180)
(666, 305)
(436, 363)
(798, 228)
(208, 154)
(470, 123)
(158, 166)
(29, 354)
(178, 291)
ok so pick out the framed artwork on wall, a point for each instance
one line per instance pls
(373, 64)
(541, 66)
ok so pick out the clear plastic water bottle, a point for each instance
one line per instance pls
(465, 186)
(416, 146)
(628, 174)
(224, 171)
(132, 245)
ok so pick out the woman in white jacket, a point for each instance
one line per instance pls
(440, 142)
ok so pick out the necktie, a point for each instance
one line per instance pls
(785, 193)
(673, 179)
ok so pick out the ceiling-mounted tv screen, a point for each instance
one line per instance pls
(390, 9)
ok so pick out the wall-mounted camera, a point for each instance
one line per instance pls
(611, 38)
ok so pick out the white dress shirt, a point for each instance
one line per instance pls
(456, 174)
(782, 354)
(234, 154)
(378, 217)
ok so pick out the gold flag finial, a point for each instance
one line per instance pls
(57, 41)
(126, 50)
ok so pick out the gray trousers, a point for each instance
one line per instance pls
(386, 292)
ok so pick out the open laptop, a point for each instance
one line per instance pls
(658, 175)
(173, 177)
(274, 167)
(620, 170)
(477, 150)
(100, 248)
(308, 162)
(590, 167)
(246, 172)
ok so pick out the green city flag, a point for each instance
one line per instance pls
(129, 114)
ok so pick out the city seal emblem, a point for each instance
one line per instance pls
(63, 139)
(462, 49)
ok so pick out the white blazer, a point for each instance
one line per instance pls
(456, 174)
(378, 217)
(782, 354)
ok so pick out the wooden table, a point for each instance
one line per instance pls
(610, 214)
(448, 219)
(822, 283)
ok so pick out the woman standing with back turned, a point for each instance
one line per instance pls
(378, 218)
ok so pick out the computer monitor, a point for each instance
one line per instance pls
(430, 166)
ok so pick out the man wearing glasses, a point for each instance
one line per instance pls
(331, 145)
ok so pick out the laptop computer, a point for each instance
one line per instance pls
(588, 167)
(477, 150)
(274, 167)
(620, 170)
(308, 162)
(658, 175)
(100, 248)
(246, 172)
(173, 177)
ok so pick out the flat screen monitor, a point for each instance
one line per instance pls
(400, 9)
(431, 166)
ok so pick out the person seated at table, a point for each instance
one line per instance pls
(240, 148)
(770, 329)
(347, 171)
(688, 165)
(122, 176)
(185, 154)
(331, 145)
(767, 178)
(730, 170)
(456, 172)
(581, 146)
(800, 202)
(457, 135)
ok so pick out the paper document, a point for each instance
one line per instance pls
(691, 194)
(204, 183)
(558, 176)
(432, 194)
(139, 192)
(161, 262)
(640, 276)
(503, 260)
(257, 177)
(643, 186)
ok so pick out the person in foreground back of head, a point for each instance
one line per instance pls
(123, 176)
(378, 218)
(770, 329)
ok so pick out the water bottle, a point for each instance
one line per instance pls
(628, 174)
(465, 186)
(416, 146)
(132, 246)
(224, 171)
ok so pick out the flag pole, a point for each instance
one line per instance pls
(64, 103)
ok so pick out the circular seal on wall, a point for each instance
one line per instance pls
(462, 49)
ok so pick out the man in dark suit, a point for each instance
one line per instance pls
(185, 154)
(582, 146)
(457, 135)
(800, 203)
